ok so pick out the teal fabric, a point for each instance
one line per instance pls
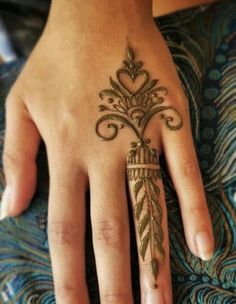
(202, 41)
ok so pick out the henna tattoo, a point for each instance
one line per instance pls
(142, 172)
(132, 101)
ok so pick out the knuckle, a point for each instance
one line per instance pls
(63, 131)
(189, 169)
(67, 292)
(63, 142)
(63, 233)
(9, 160)
(15, 161)
(176, 97)
(109, 232)
(197, 211)
(115, 297)
(19, 162)
(65, 289)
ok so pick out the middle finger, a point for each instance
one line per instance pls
(110, 225)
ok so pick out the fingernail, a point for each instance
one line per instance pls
(5, 204)
(204, 245)
(154, 296)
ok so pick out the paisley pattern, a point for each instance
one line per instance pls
(202, 41)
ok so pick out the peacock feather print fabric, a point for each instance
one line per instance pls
(202, 41)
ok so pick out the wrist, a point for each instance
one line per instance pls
(99, 16)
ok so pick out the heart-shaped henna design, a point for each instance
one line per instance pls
(132, 83)
(132, 102)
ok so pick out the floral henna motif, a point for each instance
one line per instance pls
(132, 101)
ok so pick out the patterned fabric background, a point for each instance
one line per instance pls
(203, 43)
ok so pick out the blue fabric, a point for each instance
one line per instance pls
(202, 41)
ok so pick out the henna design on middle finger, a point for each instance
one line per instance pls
(142, 172)
(132, 101)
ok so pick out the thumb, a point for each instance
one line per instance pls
(19, 158)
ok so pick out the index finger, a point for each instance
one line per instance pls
(66, 231)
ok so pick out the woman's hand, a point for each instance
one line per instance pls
(56, 98)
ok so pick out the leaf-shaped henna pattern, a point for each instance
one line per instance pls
(143, 173)
(131, 101)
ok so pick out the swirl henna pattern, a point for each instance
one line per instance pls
(132, 101)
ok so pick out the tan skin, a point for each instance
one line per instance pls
(162, 7)
(55, 98)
